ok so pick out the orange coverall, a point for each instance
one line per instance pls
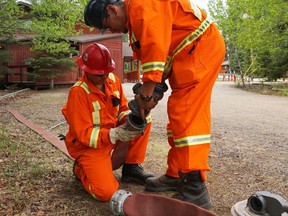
(91, 114)
(175, 39)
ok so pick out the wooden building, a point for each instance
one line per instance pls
(20, 67)
(20, 52)
(131, 64)
(112, 41)
(225, 67)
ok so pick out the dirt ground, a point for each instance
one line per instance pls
(249, 153)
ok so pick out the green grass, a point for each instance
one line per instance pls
(282, 90)
(23, 165)
(7, 146)
(273, 89)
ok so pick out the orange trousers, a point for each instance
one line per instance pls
(194, 71)
(94, 166)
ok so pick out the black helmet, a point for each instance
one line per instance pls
(95, 11)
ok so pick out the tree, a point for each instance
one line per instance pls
(5, 56)
(9, 24)
(255, 33)
(51, 67)
(9, 19)
(53, 22)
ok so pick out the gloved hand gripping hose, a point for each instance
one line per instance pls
(134, 120)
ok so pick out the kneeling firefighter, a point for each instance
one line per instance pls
(96, 111)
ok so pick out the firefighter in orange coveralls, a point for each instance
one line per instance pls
(174, 40)
(96, 111)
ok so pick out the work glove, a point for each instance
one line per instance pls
(145, 107)
(122, 133)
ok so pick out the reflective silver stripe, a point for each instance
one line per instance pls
(96, 122)
(188, 40)
(197, 11)
(169, 133)
(112, 77)
(96, 114)
(77, 84)
(92, 194)
(96, 118)
(149, 118)
(94, 137)
(117, 93)
(152, 66)
(193, 36)
(123, 114)
(192, 140)
(83, 85)
(133, 38)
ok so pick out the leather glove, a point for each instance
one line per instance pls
(145, 107)
(122, 133)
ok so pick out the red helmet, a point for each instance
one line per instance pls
(96, 59)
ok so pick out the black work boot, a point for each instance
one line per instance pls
(135, 173)
(163, 183)
(193, 190)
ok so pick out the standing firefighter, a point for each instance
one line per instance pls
(96, 112)
(174, 40)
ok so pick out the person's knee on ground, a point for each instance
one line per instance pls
(102, 194)
(100, 190)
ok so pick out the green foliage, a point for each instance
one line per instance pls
(53, 22)
(5, 56)
(50, 67)
(9, 19)
(255, 33)
(7, 145)
(125, 38)
(10, 22)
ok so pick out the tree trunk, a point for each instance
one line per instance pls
(51, 83)
(240, 68)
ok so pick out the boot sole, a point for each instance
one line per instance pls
(206, 205)
(160, 189)
(132, 180)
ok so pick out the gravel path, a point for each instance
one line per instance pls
(249, 149)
